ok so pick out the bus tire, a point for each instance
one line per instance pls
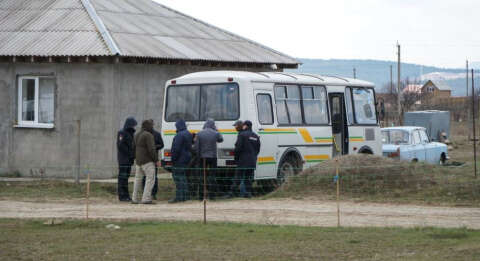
(365, 150)
(290, 165)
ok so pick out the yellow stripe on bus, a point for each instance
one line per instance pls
(316, 158)
(305, 135)
(266, 160)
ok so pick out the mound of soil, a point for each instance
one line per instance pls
(360, 175)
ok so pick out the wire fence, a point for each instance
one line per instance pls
(344, 191)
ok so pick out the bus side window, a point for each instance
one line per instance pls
(281, 105)
(264, 108)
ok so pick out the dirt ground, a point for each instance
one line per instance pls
(270, 212)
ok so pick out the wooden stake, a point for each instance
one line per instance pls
(338, 194)
(88, 193)
(204, 192)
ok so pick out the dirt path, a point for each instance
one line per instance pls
(280, 212)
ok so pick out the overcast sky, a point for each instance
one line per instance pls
(439, 33)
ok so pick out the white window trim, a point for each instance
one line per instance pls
(34, 123)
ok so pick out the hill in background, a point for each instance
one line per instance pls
(378, 72)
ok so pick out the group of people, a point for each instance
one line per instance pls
(193, 156)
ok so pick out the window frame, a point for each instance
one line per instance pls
(300, 86)
(33, 124)
(271, 109)
(200, 102)
(355, 123)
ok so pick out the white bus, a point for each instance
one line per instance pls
(301, 119)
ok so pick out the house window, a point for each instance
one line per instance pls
(36, 102)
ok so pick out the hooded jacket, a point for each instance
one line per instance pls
(181, 146)
(145, 150)
(207, 139)
(247, 148)
(125, 143)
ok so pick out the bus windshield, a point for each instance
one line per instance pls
(364, 106)
(201, 102)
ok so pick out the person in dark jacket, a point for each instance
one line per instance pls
(146, 157)
(159, 146)
(126, 157)
(206, 148)
(247, 148)
(181, 146)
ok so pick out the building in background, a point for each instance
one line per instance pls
(436, 89)
(71, 71)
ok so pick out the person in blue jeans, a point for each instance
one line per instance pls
(181, 156)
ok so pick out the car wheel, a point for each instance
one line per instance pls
(286, 169)
(443, 159)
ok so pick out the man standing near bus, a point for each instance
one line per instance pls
(206, 148)
(126, 157)
(247, 148)
(181, 146)
(158, 146)
(146, 158)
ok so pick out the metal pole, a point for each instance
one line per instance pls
(474, 134)
(468, 110)
(204, 192)
(338, 194)
(399, 94)
(88, 193)
(77, 173)
(354, 73)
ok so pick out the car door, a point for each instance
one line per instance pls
(418, 149)
(266, 166)
(432, 154)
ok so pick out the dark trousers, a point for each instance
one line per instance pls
(247, 176)
(180, 179)
(122, 187)
(212, 182)
(242, 182)
(155, 185)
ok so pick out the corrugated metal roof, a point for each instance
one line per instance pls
(48, 28)
(138, 28)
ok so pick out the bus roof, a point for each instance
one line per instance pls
(274, 77)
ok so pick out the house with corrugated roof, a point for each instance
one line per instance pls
(71, 71)
(436, 89)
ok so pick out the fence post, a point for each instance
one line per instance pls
(88, 193)
(338, 192)
(77, 174)
(204, 192)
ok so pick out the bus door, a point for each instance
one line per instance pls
(339, 124)
(267, 158)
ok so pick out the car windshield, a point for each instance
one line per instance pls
(395, 137)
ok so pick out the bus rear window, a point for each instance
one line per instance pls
(201, 102)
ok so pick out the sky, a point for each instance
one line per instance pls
(438, 33)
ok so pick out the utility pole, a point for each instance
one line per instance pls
(391, 78)
(473, 125)
(354, 73)
(468, 109)
(399, 93)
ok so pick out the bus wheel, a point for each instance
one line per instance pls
(287, 168)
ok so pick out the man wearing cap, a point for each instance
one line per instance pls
(247, 148)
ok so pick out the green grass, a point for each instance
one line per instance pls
(60, 190)
(77, 240)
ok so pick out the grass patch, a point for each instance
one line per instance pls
(78, 240)
(45, 190)
(379, 179)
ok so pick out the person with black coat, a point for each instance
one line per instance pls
(247, 148)
(126, 157)
(181, 157)
(159, 146)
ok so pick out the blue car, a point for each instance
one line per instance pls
(412, 144)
